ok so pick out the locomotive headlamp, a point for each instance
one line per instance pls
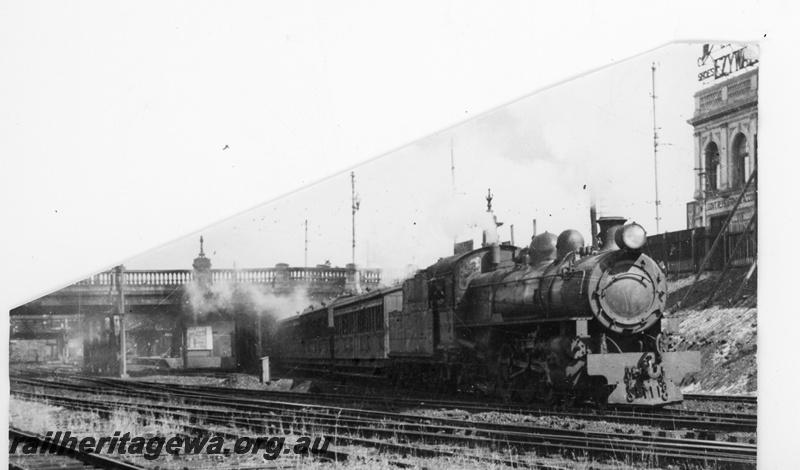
(631, 236)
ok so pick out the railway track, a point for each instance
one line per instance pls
(721, 398)
(58, 455)
(467, 404)
(314, 370)
(662, 418)
(342, 431)
(703, 425)
(419, 432)
(375, 430)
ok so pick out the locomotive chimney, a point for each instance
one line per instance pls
(608, 226)
(490, 235)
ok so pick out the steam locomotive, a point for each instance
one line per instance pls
(555, 321)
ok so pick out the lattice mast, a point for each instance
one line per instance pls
(655, 148)
(453, 182)
(306, 245)
(355, 204)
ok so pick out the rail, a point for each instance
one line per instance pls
(365, 427)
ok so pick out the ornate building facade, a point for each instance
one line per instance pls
(725, 125)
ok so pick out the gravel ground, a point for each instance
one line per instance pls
(40, 418)
(726, 335)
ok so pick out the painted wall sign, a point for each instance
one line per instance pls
(724, 204)
(727, 64)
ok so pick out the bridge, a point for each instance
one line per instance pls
(160, 291)
(163, 309)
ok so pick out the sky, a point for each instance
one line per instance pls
(542, 156)
(133, 126)
(114, 117)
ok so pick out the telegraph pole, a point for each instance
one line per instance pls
(355, 205)
(306, 256)
(452, 167)
(453, 181)
(123, 360)
(655, 148)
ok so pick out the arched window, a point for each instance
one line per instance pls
(712, 165)
(740, 154)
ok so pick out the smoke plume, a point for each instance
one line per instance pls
(230, 296)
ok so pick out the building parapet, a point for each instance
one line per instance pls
(739, 91)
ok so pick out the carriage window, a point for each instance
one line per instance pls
(378, 318)
(394, 302)
(318, 325)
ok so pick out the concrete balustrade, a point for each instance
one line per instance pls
(165, 292)
(254, 276)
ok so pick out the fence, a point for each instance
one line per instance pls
(684, 251)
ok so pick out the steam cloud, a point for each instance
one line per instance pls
(226, 295)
